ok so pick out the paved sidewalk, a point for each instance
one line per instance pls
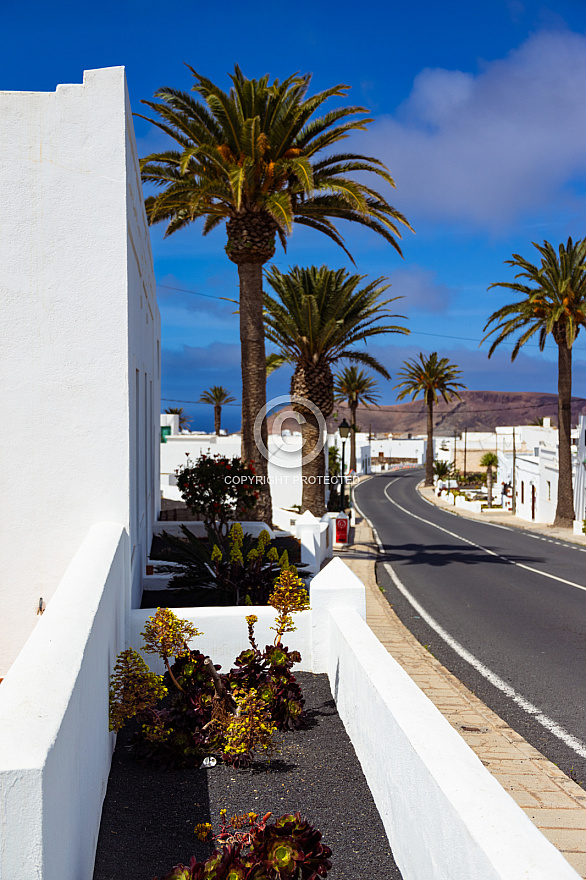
(555, 803)
(503, 517)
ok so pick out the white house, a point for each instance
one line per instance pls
(284, 463)
(389, 450)
(80, 361)
(534, 460)
(580, 474)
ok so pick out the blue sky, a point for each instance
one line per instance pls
(480, 115)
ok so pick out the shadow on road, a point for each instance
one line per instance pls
(439, 555)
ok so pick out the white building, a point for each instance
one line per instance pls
(284, 463)
(536, 469)
(80, 361)
(387, 451)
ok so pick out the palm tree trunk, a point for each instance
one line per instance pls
(353, 408)
(564, 515)
(313, 497)
(429, 452)
(217, 419)
(489, 485)
(252, 343)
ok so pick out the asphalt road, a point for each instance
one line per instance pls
(494, 605)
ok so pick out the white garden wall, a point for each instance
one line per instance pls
(80, 339)
(446, 817)
(55, 748)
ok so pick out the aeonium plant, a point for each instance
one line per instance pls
(172, 732)
(192, 710)
(290, 848)
(241, 569)
(269, 671)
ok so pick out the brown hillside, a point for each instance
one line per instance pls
(477, 411)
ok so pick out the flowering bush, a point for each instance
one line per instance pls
(288, 849)
(219, 489)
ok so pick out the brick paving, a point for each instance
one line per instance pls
(553, 801)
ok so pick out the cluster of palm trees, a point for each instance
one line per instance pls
(260, 159)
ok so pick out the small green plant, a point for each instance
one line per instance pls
(442, 469)
(133, 689)
(173, 732)
(584, 526)
(290, 848)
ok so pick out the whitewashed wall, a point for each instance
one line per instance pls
(80, 339)
(580, 472)
(444, 814)
(55, 748)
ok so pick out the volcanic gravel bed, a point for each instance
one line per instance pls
(149, 814)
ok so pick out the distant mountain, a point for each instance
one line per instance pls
(477, 411)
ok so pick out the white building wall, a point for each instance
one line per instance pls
(580, 472)
(79, 319)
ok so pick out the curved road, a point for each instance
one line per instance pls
(503, 609)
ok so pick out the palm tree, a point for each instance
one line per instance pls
(317, 317)
(218, 396)
(184, 419)
(554, 301)
(442, 468)
(355, 387)
(253, 158)
(489, 460)
(431, 377)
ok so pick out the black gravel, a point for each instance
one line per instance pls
(149, 814)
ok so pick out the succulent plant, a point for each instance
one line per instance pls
(288, 849)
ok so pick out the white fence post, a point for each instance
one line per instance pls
(336, 586)
(307, 529)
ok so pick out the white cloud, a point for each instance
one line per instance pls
(421, 291)
(487, 148)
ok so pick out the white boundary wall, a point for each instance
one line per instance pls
(445, 815)
(80, 340)
(55, 748)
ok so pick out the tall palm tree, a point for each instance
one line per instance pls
(354, 387)
(218, 396)
(184, 419)
(431, 377)
(254, 158)
(554, 301)
(489, 460)
(316, 318)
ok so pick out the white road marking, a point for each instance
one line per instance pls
(552, 577)
(494, 525)
(372, 528)
(552, 726)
